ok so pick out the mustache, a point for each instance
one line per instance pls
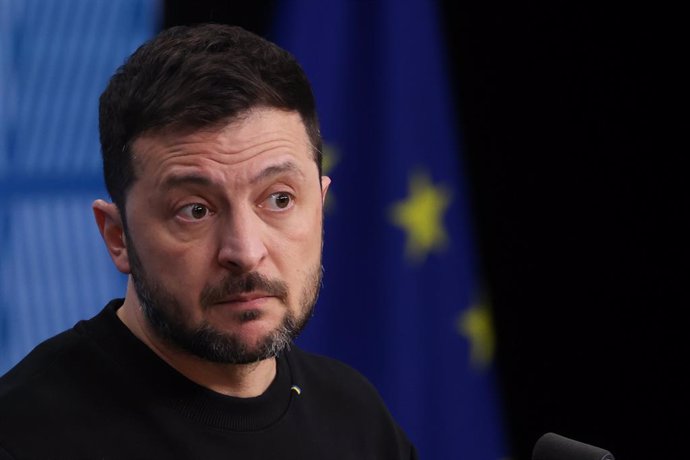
(234, 285)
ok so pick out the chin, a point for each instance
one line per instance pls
(253, 334)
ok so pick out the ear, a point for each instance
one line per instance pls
(325, 183)
(110, 225)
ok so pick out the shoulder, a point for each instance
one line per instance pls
(54, 367)
(31, 393)
(54, 390)
(43, 359)
(49, 369)
(67, 353)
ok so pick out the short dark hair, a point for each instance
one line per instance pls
(191, 77)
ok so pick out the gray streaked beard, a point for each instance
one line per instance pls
(165, 315)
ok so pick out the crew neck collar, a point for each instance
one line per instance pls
(161, 383)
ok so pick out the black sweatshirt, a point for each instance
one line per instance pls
(97, 392)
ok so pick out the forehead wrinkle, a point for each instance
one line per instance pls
(183, 178)
(226, 146)
(237, 136)
(227, 154)
(251, 149)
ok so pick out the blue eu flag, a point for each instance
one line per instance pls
(401, 298)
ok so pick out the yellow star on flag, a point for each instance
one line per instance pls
(421, 216)
(329, 160)
(476, 325)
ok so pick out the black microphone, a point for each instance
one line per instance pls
(552, 446)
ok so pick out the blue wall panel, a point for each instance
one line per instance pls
(56, 57)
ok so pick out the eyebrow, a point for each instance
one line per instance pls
(185, 179)
(276, 170)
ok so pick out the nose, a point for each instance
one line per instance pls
(242, 247)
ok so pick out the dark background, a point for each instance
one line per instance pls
(575, 192)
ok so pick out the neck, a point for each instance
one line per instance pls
(238, 380)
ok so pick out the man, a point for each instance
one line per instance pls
(212, 157)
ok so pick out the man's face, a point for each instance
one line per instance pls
(224, 235)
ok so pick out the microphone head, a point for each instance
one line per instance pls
(552, 446)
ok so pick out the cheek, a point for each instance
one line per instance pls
(303, 236)
(297, 252)
(180, 267)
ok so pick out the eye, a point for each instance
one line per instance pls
(194, 211)
(278, 201)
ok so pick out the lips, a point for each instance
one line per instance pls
(248, 288)
(246, 298)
